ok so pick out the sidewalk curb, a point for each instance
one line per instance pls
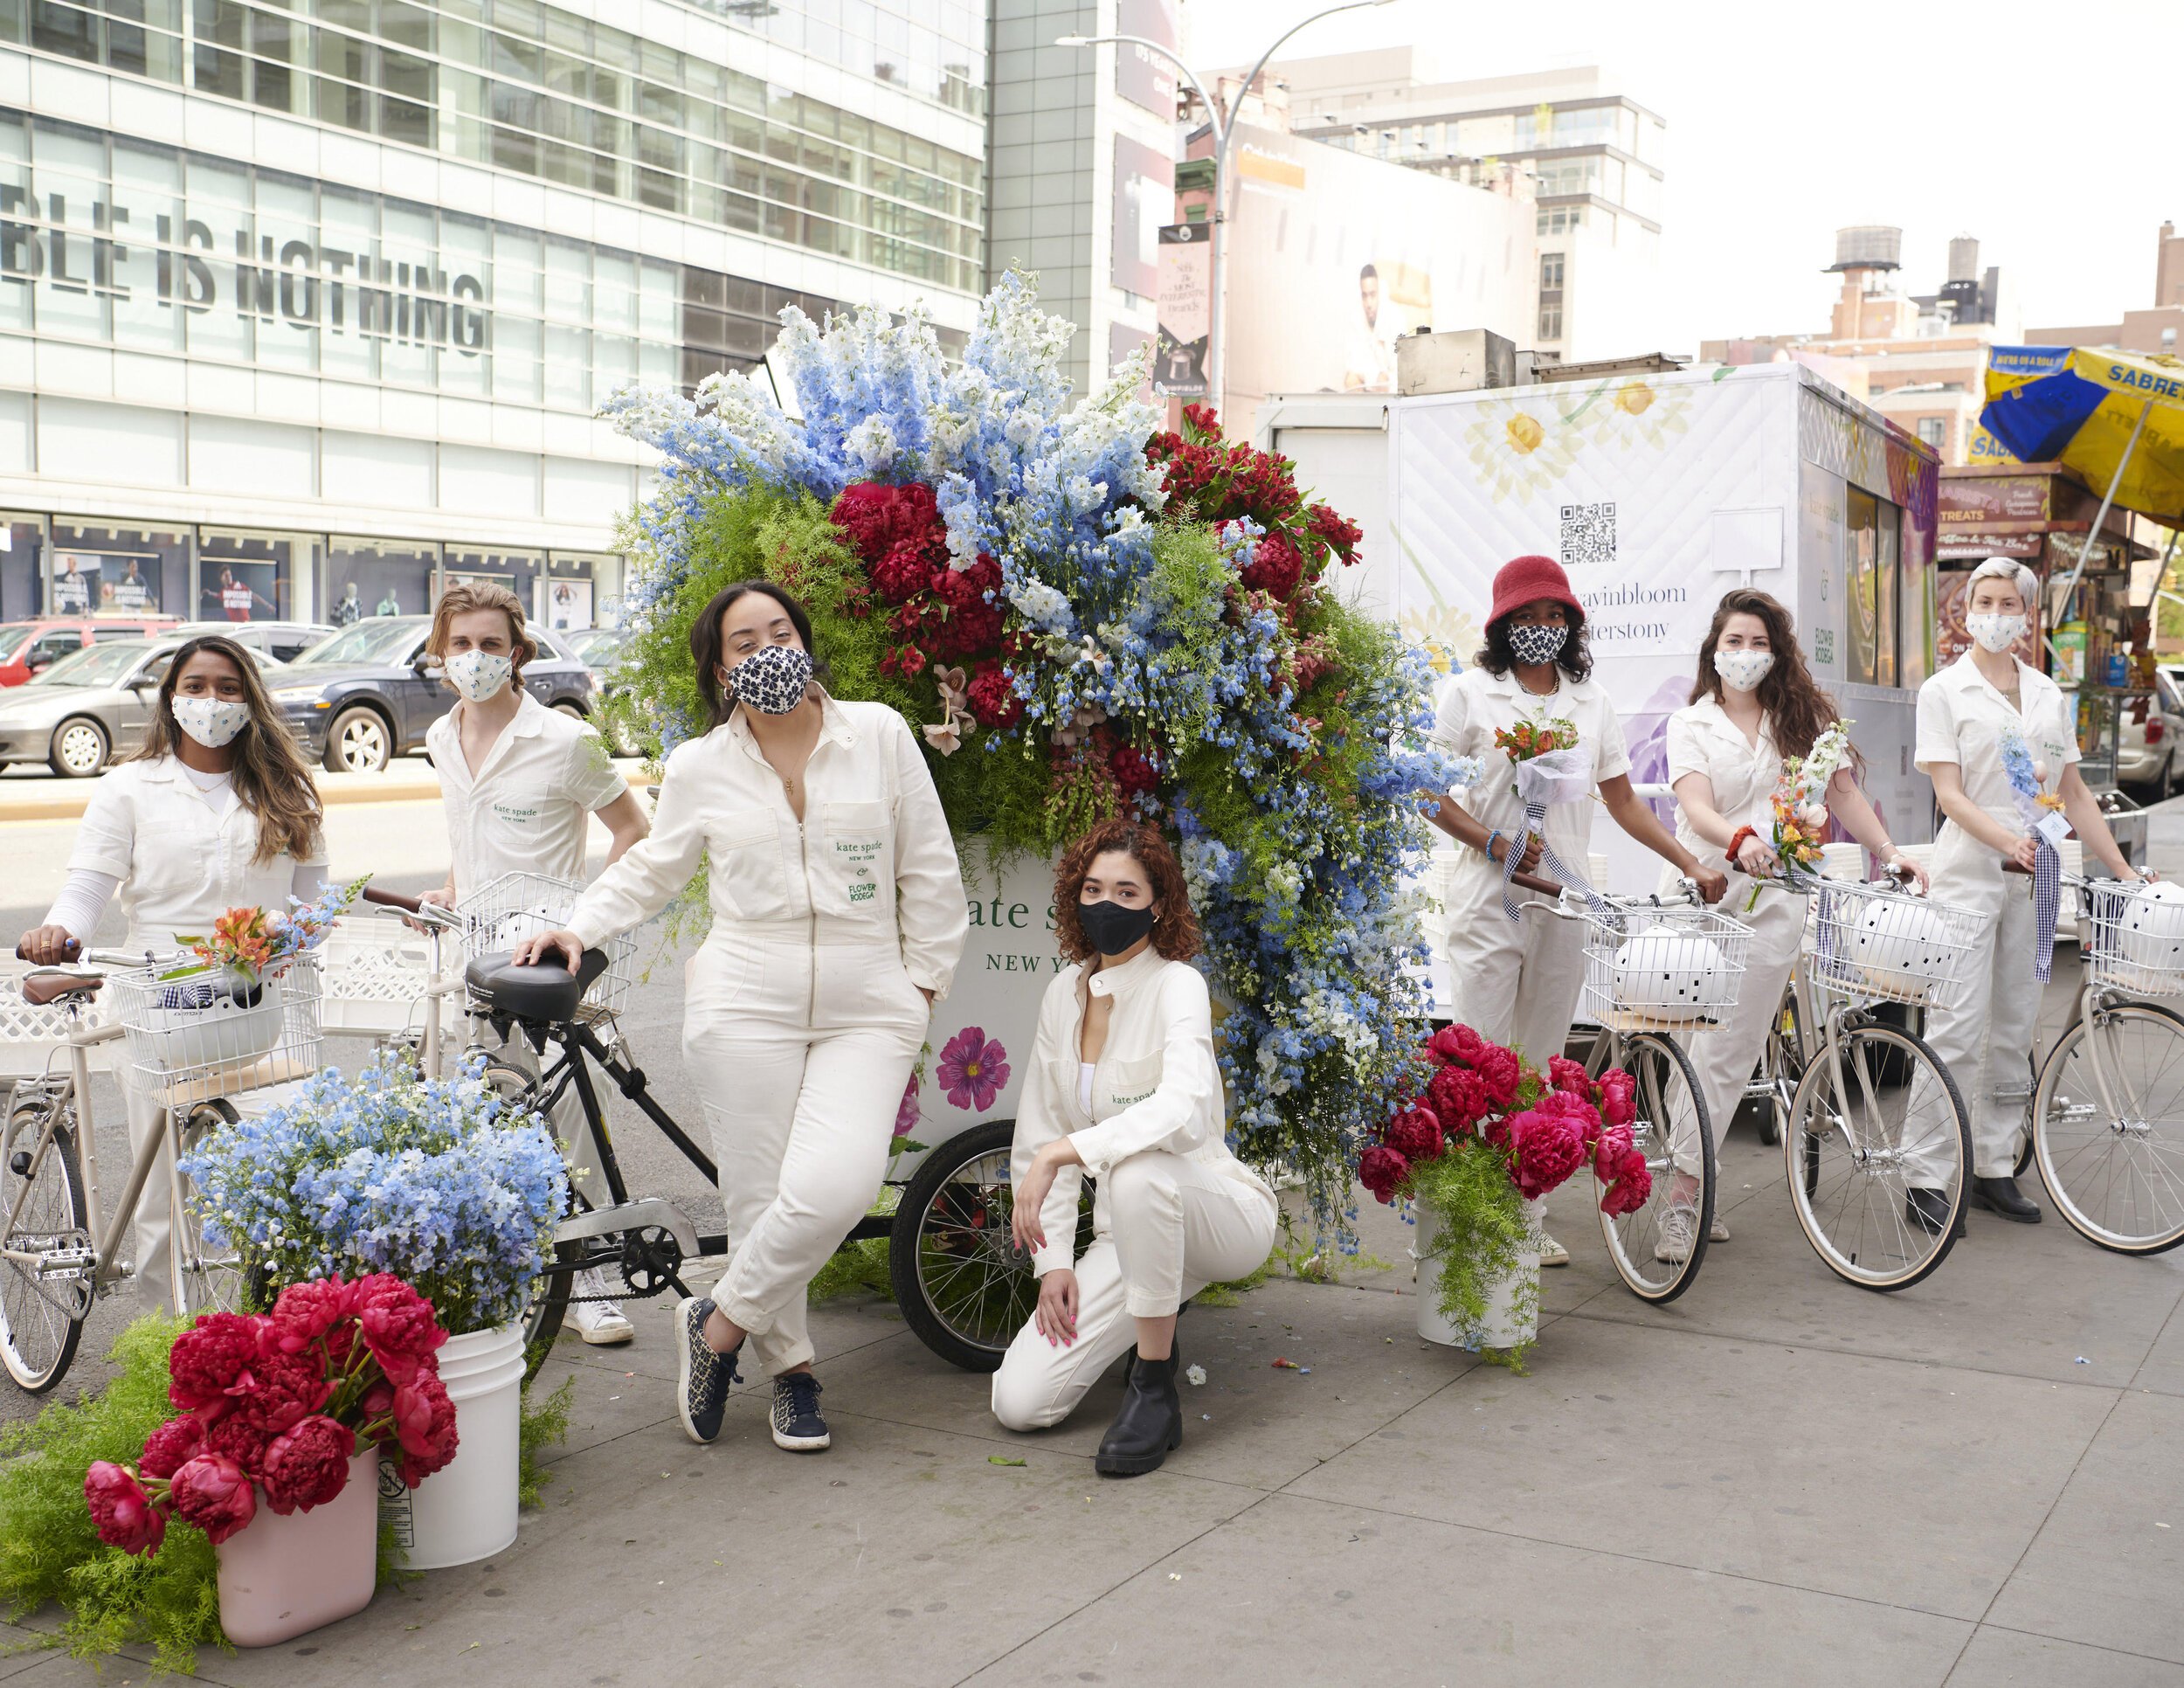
(333, 796)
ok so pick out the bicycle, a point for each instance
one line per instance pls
(1876, 1141)
(1642, 988)
(2108, 1105)
(960, 1284)
(194, 1044)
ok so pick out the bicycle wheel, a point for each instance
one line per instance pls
(2024, 1133)
(1876, 1116)
(961, 1285)
(1658, 1249)
(2118, 1180)
(208, 1276)
(41, 1319)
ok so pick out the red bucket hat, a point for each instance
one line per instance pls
(1525, 580)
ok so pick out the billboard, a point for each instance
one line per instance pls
(1186, 310)
(1143, 77)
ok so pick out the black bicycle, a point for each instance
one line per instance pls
(962, 1285)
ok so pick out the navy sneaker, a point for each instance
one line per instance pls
(796, 1423)
(703, 1375)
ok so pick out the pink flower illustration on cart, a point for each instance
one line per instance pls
(972, 1069)
(906, 1113)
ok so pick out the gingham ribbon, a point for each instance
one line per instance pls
(2047, 902)
(1536, 827)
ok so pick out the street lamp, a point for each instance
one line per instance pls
(1224, 131)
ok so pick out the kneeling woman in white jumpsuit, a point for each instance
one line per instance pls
(1965, 714)
(1753, 703)
(216, 812)
(1516, 982)
(1123, 1086)
(838, 916)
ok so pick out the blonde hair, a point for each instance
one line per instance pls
(466, 596)
(2019, 575)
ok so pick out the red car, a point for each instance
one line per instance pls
(30, 647)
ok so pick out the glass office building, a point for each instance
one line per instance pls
(307, 307)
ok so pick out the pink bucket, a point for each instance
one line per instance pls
(282, 1576)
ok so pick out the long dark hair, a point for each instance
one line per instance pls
(1497, 657)
(707, 647)
(269, 777)
(1175, 934)
(1797, 709)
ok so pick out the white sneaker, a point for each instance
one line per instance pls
(1679, 1228)
(600, 1323)
(1718, 1232)
(1552, 1253)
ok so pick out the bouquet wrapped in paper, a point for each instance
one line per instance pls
(2041, 808)
(1545, 768)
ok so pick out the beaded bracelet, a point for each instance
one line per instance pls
(1490, 837)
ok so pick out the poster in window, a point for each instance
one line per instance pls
(239, 591)
(1185, 308)
(76, 578)
(568, 606)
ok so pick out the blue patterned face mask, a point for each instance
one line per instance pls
(1535, 645)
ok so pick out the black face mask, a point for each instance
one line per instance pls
(1112, 929)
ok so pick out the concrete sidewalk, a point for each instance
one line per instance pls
(1777, 1478)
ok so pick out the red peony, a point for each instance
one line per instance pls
(308, 1465)
(1614, 1143)
(306, 1311)
(1633, 1186)
(902, 573)
(1457, 1097)
(1454, 1044)
(167, 1447)
(1619, 1097)
(1414, 1134)
(399, 1326)
(992, 697)
(1382, 1171)
(425, 1423)
(973, 625)
(1500, 1071)
(1133, 773)
(214, 1493)
(1275, 566)
(210, 1363)
(875, 518)
(123, 1512)
(1566, 1106)
(241, 1438)
(289, 1388)
(1564, 1074)
(1547, 1148)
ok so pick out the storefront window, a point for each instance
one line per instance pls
(365, 578)
(22, 554)
(518, 571)
(1873, 535)
(118, 571)
(570, 590)
(250, 577)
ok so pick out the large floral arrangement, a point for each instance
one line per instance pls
(279, 1404)
(1488, 1134)
(1083, 616)
(441, 1181)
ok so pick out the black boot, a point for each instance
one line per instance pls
(2001, 1195)
(1148, 1426)
(1927, 1209)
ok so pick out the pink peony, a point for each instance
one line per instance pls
(209, 1364)
(214, 1493)
(306, 1311)
(308, 1466)
(1564, 1074)
(1564, 1106)
(1633, 1186)
(177, 1440)
(123, 1512)
(1382, 1171)
(425, 1423)
(1613, 1144)
(972, 1069)
(1619, 1097)
(289, 1388)
(1500, 1072)
(1456, 1097)
(1457, 1043)
(240, 1437)
(1547, 1148)
(1414, 1134)
(399, 1326)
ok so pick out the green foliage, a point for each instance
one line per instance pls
(859, 1268)
(544, 1424)
(1481, 1230)
(1232, 1293)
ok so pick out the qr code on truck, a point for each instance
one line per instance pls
(1588, 534)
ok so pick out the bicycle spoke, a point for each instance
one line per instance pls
(2117, 1172)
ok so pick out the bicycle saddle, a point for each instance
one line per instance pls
(548, 993)
(48, 985)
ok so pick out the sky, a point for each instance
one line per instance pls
(1786, 121)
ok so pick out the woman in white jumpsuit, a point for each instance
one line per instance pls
(216, 812)
(1965, 714)
(1124, 1085)
(1516, 982)
(1753, 703)
(838, 916)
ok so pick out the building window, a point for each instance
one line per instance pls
(1551, 272)
(1560, 219)
(1551, 323)
(1933, 431)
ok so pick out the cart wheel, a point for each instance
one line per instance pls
(960, 1283)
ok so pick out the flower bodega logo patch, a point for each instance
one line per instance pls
(861, 891)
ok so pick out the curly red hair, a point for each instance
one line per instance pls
(1175, 934)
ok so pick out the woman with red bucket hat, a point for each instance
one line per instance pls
(1516, 970)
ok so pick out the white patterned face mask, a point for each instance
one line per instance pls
(1536, 646)
(1743, 670)
(1995, 632)
(213, 721)
(478, 674)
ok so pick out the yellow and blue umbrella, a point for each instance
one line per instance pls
(2116, 417)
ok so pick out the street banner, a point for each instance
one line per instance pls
(1186, 310)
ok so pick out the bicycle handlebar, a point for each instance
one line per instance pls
(435, 915)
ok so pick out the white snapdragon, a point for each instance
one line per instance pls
(872, 443)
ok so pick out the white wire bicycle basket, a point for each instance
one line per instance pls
(1655, 969)
(1876, 943)
(498, 916)
(217, 1032)
(2134, 937)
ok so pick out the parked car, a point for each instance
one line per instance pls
(29, 648)
(2150, 738)
(368, 694)
(601, 648)
(284, 641)
(580, 641)
(91, 706)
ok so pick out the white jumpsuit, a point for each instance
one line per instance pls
(1702, 739)
(1173, 1210)
(1985, 1037)
(527, 808)
(182, 863)
(1518, 982)
(804, 1014)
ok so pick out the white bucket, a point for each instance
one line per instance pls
(221, 1033)
(1502, 1328)
(466, 1511)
